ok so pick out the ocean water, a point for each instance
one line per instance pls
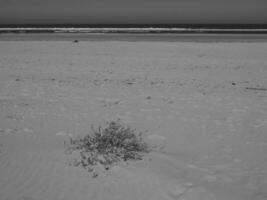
(186, 32)
(135, 30)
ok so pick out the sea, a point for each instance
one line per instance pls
(137, 32)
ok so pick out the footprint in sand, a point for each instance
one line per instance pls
(189, 192)
(109, 102)
(176, 191)
(197, 193)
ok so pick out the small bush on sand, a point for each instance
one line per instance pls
(108, 145)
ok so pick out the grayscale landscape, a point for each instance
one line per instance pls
(133, 100)
(201, 105)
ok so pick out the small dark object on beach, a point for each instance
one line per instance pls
(148, 97)
(75, 41)
(95, 175)
(17, 79)
(233, 83)
(170, 102)
(109, 145)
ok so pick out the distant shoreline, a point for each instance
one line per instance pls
(136, 30)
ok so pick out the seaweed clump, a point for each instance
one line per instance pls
(109, 145)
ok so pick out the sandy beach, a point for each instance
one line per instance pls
(204, 104)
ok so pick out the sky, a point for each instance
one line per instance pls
(132, 11)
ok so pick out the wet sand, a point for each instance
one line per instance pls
(203, 104)
(133, 37)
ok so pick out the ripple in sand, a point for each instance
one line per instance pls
(156, 137)
(197, 193)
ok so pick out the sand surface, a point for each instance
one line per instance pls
(203, 104)
(163, 37)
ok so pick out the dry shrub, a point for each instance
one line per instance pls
(109, 145)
